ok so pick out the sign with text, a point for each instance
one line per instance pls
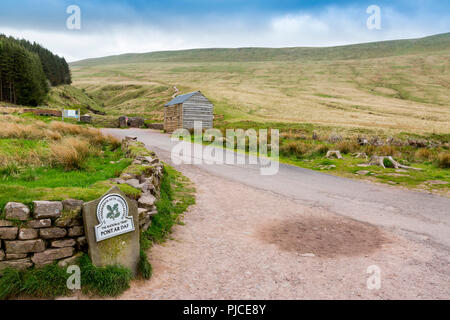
(111, 226)
(112, 213)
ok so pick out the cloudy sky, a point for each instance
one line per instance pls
(123, 26)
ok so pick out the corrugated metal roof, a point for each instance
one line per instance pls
(180, 99)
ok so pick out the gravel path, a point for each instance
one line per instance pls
(239, 242)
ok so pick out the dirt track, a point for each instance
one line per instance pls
(242, 242)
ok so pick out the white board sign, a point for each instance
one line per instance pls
(112, 214)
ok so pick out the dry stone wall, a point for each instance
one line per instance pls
(50, 231)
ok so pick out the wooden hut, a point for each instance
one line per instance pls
(184, 109)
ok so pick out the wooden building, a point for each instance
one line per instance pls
(184, 109)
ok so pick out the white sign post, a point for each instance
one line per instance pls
(74, 114)
(112, 213)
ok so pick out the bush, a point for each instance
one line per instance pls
(346, 147)
(294, 148)
(443, 160)
(423, 154)
(321, 149)
(69, 153)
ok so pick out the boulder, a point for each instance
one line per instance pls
(136, 122)
(8, 233)
(17, 211)
(28, 234)
(53, 233)
(20, 264)
(25, 246)
(47, 209)
(86, 118)
(63, 243)
(147, 201)
(75, 231)
(50, 255)
(37, 224)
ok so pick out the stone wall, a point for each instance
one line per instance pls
(53, 230)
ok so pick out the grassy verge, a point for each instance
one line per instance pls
(51, 280)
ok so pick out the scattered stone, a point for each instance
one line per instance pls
(17, 211)
(126, 176)
(436, 182)
(76, 231)
(21, 264)
(131, 138)
(53, 233)
(37, 224)
(147, 200)
(118, 180)
(360, 155)
(401, 170)
(8, 233)
(50, 255)
(69, 261)
(334, 153)
(25, 246)
(15, 256)
(136, 162)
(362, 172)
(363, 165)
(362, 141)
(63, 243)
(28, 234)
(47, 209)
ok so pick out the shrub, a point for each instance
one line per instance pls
(443, 160)
(69, 153)
(388, 163)
(386, 150)
(423, 154)
(294, 148)
(347, 146)
(321, 149)
(145, 268)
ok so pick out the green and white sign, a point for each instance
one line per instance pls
(112, 214)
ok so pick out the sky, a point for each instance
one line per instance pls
(110, 27)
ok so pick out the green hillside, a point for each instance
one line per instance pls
(367, 50)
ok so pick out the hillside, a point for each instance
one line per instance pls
(358, 51)
(392, 86)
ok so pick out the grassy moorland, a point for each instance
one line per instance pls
(54, 160)
(394, 93)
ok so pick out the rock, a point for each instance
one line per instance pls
(8, 233)
(142, 212)
(362, 141)
(36, 224)
(151, 160)
(401, 170)
(15, 256)
(126, 176)
(146, 186)
(20, 264)
(2, 255)
(17, 211)
(53, 233)
(334, 153)
(335, 138)
(28, 234)
(147, 200)
(25, 246)
(6, 223)
(136, 162)
(130, 138)
(152, 213)
(136, 122)
(86, 118)
(133, 182)
(82, 244)
(118, 180)
(71, 205)
(50, 255)
(69, 261)
(63, 243)
(76, 231)
(47, 209)
(362, 172)
(123, 122)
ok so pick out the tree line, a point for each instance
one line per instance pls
(27, 70)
